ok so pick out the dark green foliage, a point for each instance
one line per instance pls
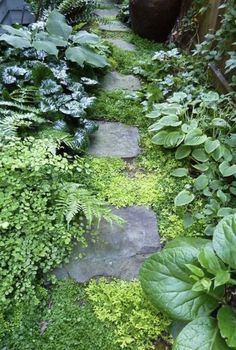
(190, 279)
(77, 11)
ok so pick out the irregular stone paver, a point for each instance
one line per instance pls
(116, 81)
(114, 27)
(119, 250)
(115, 140)
(122, 44)
(107, 12)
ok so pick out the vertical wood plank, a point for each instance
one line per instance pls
(210, 19)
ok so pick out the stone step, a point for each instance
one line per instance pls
(122, 44)
(115, 26)
(116, 81)
(107, 12)
(119, 250)
(115, 140)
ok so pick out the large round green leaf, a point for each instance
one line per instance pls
(82, 55)
(183, 198)
(166, 281)
(224, 240)
(200, 334)
(56, 25)
(227, 324)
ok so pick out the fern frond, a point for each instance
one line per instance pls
(25, 96)
(75, 199)
(18, 106)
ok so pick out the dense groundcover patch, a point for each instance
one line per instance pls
(51, 191)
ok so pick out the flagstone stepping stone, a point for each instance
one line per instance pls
(122, 44)
(116, 81)
(118, 251)
(115, 140)
(107, 12)
(115, 26)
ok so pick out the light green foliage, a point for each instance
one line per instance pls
(61, 319)
(37, 230)
(136, 323)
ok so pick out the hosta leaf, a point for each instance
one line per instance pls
(81, 55)
(200, 334)
(222, 277)
(200, 155)
(166, 281)
(227, 324)
(211, 145)
(173, 139)
(224, 240)
(195, 138)
(159, 138)
(17, 32)
(46, 46)
(83, 37)
(201, 182)
(227, 170)
(180, 172)
(17, 42)
(56, 25)
(182, 152)
(165, 121)
(183, 198)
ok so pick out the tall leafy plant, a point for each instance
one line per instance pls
(194, 281)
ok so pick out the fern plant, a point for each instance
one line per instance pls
(78, 10)
(76, 200)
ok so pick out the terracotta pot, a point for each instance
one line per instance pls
(154, 19)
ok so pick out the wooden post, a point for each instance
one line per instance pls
(210, 19)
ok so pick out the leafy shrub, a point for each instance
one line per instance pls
(42, 211)
(190, 279)
(45, 97)
(122, 304)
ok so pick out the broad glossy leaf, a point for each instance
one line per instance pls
(83, 37)
(195, 138)
(200, 334)
(227, 324)
(173, 139)
(209, 260)
(224, 240)
(194, 243)
(166, 281)
(18, 32)
(180, 172)
(165, 121)
(57, 40)
(56, 25)
(222, 277)
(83, 55)
(183, 198)
(182, 152)
(17, 42)
(159, 138)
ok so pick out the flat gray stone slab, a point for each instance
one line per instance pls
(122, 44)
(115, 140)
(107, 12)
(114, 27)
(116, 81)
(119, 250)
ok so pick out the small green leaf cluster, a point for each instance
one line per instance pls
(192, 278)
(43, 209)
(122, 304)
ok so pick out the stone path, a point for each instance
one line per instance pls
(119, 251)
(122, 44)
(114, 26)
(116, 81)
(115, 140)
